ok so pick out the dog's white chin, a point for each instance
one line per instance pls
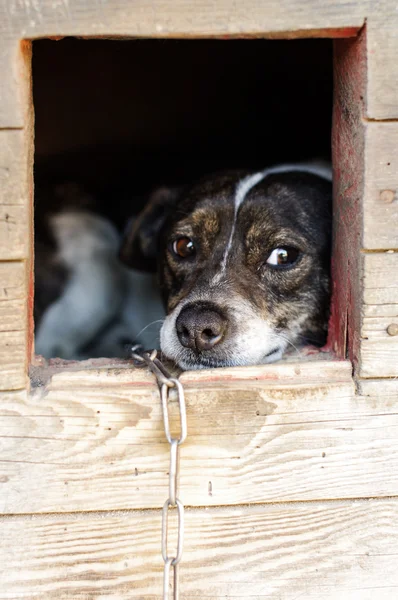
(188, 365)
(277, 355)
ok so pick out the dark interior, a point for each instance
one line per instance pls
(123, 116)
(119, 118)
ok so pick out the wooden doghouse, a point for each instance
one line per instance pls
(290, 470)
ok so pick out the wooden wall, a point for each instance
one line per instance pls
(288, 470)
(365, 310)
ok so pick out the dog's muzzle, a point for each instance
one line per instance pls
(202, 334)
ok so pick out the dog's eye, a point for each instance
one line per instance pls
(184, 247)
(281, 257)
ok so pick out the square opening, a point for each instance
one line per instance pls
(116, 119)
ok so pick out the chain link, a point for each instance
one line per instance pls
(167, 382)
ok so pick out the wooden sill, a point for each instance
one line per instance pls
(307, 364)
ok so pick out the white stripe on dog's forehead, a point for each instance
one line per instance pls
(242, 189)
(249, 182)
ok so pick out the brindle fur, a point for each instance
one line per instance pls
(285, 209)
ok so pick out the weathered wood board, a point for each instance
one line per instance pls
(365, 207)
(94, 440)
(180, 18)
(379, 391)
(16, 194)
(343, 550)
(15, 69)
(379, 348)
(348, 144)
(13, 325)
(382, 42)
(380, 199)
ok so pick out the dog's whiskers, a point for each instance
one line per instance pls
(286, 339)
(308, 340)
(149, 325)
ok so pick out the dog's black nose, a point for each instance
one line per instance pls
(200, 328)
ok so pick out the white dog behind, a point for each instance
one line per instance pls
(103, 305)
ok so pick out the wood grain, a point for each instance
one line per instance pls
(328, 550)
(94, 440)
(13, 325)
(15, 69)
(380, 278)
(348, 143)
(380, 201)
(15, 193)
(293, 368)
(379, 349)
(181, 18)
(382, 43)
(379, 390)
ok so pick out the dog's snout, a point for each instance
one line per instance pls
(200, 328)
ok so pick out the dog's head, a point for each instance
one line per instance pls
(243, 261)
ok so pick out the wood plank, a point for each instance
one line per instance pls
(16, 187)
(15, 69)
(348, 144)
(317, 366)
(382, 49)
(13, 326)
(379, 349)
(13, 167)
(180, 18)
(94, 440)
(340, 550)
(380, 278)
(362, 283)
(380, 202)
(376, 390)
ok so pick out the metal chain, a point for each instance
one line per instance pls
(166, 382)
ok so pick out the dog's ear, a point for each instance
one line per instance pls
(140, 242)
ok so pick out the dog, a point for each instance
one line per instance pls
(243, 262)
(87, 303)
